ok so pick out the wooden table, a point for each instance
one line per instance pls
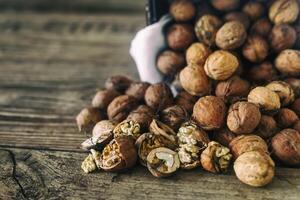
(51, 64)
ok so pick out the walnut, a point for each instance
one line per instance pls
(158, 96)
(243, 117)
(288, 62)
(192, 141)
(261, 27)
(103, 98)
(256, 48)
(182, 10)
(88, 165)
(254, 168)
(286, 118)
(118, 83)
(206, 28)
(295, 85)
(120, 107)
(282, 37)
(231, 35)
(296, 106)
(253, 9)
(161, 129)
(225, 5)
(232, 89)
(88, 117)
(197, 53)
(284, 11)
(224, 136)
(284, 91)
(137, 90)
(186, 100)
(194, 80)
(266, 99)
(246, 143)
(216, 158)
(264, 72)
(174, 116)
(286, 147)
(220, 65)
(180, 36)
(297, 126)
(209, 112)
(238, 16)
(170, 62)
(103, 127)
(143, 115)
(267, 127)
(127, 128)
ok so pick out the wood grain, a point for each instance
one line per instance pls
(57, 175)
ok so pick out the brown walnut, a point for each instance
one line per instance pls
(180, 36)
(143, 115)
(186, 100)
(158, 96)
(238, 16)
(264, 72)
(283, 36)
(261, 27)
(267, 127)
(88, 117)
(137, 90)
(174, 116)
(284, 11)
(286, 118)
(224, 136)
(103, 98)
(182, 10)
(288, 62)
(118, 83)
(295, 85)
(170, 62)
(225, 5)
(254, 9)
(197, 53)
(255, 49)
(284, 91)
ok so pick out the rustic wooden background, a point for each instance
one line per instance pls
(54, 55)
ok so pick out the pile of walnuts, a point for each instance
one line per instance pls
(238, 67)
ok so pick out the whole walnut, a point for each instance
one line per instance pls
(286, 147)
(238, 16)
(197, 53)
(194, 80)
(284, 11)
(103, 98)
(137, 90)
(225, 5)
(296, 106)
(254, 168)
(224, 136)
(263, 72)
(120, 107)
(174, 116)
(170, 62)
(284, 91)
(261, 27)
(119, 83)
(288, 62)
(243, 117)
(297, 126)
(206, 28)
(295, 85)
(232, 89)
(209, 112)
(255, 49)
(221, 65)
(266, 99)
(231, 35)
(186, 100)
(182, 10)
(286, 118)
(143, 115)
(267, 127)
(88, 117)
(158, 96)
(254, 9)
(283, 36)
(180, 36)
(245, 143)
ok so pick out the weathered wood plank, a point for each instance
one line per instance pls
(50, 67)
(57, 175)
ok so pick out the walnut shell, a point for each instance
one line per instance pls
(264, 72)
(295, 85)
(194, 80)
(231, 35)
(253, 9)
(284, 91)
(170, 62)
(220, 65)
(197, 53)
(284, 11)
(238, 16)
(103, 127)
(209, 112)
(88, 117)
(118, 83)
(267, 127)
(103, 98)
(143, 115)
(297, 126)
(243, 117)
(254, 168)
(256, 48)
(161, 129)
(246, 143)
(286, 118)
(286, 147)
(120, 107)
(158, 96)
(224, 136)
(180, 36)
(182, 10)
(174, 116)
(283, 36)
(186, 100)
(261, 27)
(296, 106)
(137, 90)
(206, 28)
(288, 62)
(225, 5)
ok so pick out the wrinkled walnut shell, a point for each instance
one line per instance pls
(225, 5)
(256, 48)
(180, 36)
(253, 9)
(170, 62)
(288, 62)
(267, 127)
(137, 90)
(264, 72)
(174, 116)
(186, 100)
(284, 91)
(103, 98)
(88, 117)
(238, 16)
(284, 11)
(261, 27)
(197, 54)
(224, 136)
(286, 118)
(118, 83)
(282, 37)
(143, 115)
(182, 10)
(161, 129)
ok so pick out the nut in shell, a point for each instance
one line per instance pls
(127, 128)
(162, 162)
(253, 9)
(98, 141)
(180, 36)
(284, 91)
(143, 115)
(255, 49)
(88, 117)
(267, 127)
(118, 83)
(103, 127)
(283, 36)
(197, 53)
(216, 158)
(186, 100)
(224, 136)
(262, 73)
(286, 118)
(170, 62)
(238, 16)
(103, 98)
(284, 11)
(182, 10)
(288, 62)
(261, 27)
(225, 5)
(174, 116)
(137, 90)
